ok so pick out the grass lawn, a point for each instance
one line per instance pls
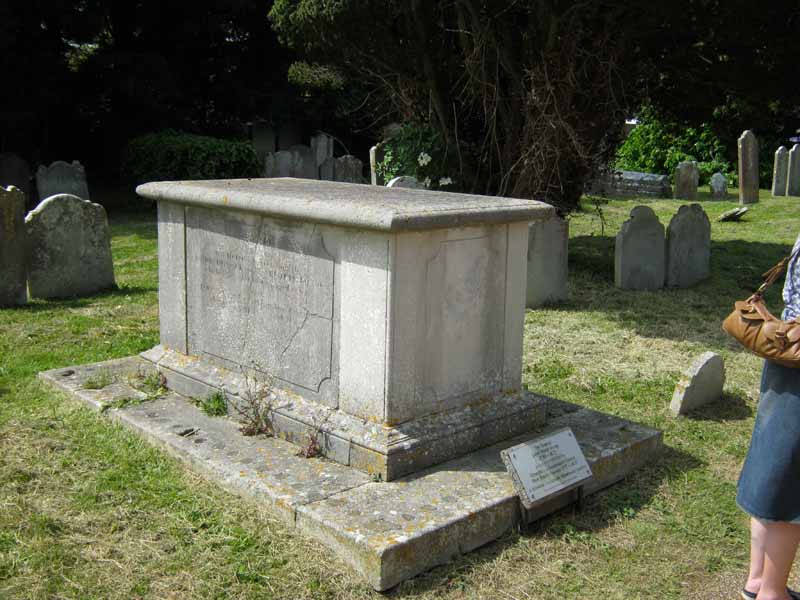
(88, 510)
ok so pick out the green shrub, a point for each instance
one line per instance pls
(657, 146)
(418, 151)
(170, 155)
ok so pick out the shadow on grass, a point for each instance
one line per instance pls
(731, 407)
(690, 314)
(621, 500)
(74, 302)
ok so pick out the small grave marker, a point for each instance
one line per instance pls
(546, 466)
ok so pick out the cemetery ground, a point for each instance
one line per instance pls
(90, 510)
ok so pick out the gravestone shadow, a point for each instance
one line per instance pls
(731, 407)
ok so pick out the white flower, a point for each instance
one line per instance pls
(445, 181)
(423, 159)
(427, 182)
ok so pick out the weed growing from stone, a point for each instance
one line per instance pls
(215, 405)
(255, 407)
(313, 446)
(99, 380)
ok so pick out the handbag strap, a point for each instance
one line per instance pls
(774, 273)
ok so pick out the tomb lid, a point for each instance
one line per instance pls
(347, 204)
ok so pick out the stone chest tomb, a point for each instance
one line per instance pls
(388, 321)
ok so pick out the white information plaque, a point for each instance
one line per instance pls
(546, 466)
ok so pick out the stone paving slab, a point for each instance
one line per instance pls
(388, 532)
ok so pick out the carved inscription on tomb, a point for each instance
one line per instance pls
(260, 293)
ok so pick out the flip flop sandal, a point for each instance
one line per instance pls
(752, 595)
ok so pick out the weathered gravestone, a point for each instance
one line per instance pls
(793, 174)
(748, 168)
(322, 147)
(687, 177)
(15, 171)
(639, 252)
(688, 247)
(349, 169)
(719, 186)
(780, 171)
(62, 178)
(547, 262)
(304, 163)
(376, 156)
(406, 181)
(631, 183)
(734, 214)
(70, 246)
(701, 384)
(279, 164)
(398, 311)
(13, 247)
(327, 170)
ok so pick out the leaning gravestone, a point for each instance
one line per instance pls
(547, 262)
(701, 384)
(688, 247)
(687, 177)
(748, 168)
(349, 169)
(639, 253)
(793, 175)
(406, 181)
(62, 178)
(279, 164)
(719, 186)
(13, 247)
(733, 214)
(70, 248)
(15, 171)
(780, 171)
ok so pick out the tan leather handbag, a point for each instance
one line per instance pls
(755, 328)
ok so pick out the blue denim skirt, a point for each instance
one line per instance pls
(769, 485)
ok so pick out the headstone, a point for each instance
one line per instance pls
(327, 171)
(688, 247)
(279, 164)
(547, 262)
(631, 184)
(687, 177)
(304, 163)
(349, 169)
(780, 171)
(13, 247)
(70, 244)
(263, 136)
(734, 214)
(376, 156)
(406, 181)
(793, 176)
(719, 186)
(62, 178)
(393, 319)
(322, 147)
(748, 168)
(15, 171)
(701, 384)
(640, 253)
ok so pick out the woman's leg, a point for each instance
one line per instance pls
(780, 546)
(758, 535)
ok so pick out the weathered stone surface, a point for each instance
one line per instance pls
(639, 253)
(304, 162)
(734, 214)
(547, 262)
(13, 248)
(62, 178)
(406, 181)
(376, 156)
(687, 177)
(15, 171)
(780, 171)
(327, 170)
(279, 164)
(688, 247)
(388, 532)
(719, 186)
(349, 169)
(70, 246)
(383, 321)
(748, 168)
(322, 147)
(701, 384)
(632, 183)
(793, 172)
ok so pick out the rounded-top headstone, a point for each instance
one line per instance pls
(13, 247)
(406, 181)
(780, 171)
(701, 384)
(793, 173)
(719, 186)
(687, 177)
(62, 178)
(70, 244)
(688, 247)
(748, 168)
(640, 253)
